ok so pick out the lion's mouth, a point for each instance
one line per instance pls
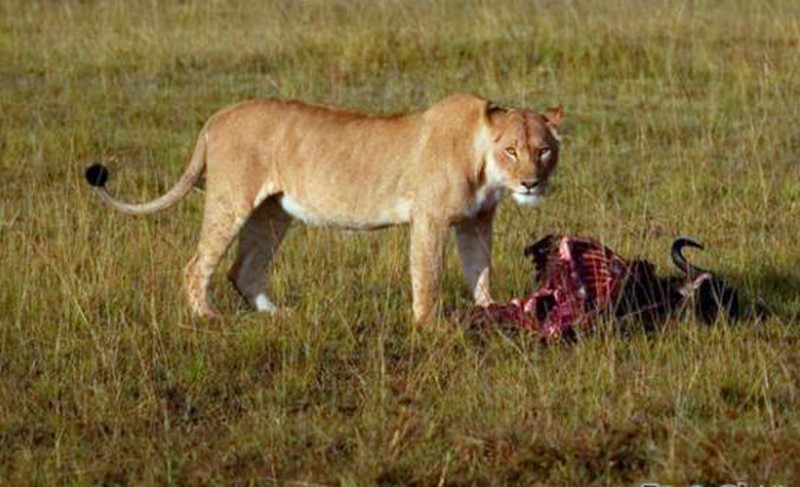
(527, 197)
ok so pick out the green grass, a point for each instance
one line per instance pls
(681, 120)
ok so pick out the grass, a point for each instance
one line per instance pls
(681, 120)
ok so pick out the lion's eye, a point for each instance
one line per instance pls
(544, 153)
(512, 152)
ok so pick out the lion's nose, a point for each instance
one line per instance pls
(529, 183)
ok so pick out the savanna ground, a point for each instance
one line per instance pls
(681, 120)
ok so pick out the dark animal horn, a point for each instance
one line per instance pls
(680, 260)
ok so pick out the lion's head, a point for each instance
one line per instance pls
(523, 150)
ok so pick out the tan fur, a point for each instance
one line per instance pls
(269, 161)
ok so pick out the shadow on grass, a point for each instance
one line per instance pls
(777, 289)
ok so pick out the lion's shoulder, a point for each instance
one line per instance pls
(460, 101)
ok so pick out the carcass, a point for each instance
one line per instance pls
(582, 281)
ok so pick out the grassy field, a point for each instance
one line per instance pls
(682, 119)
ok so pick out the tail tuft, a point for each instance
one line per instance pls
(96, 175)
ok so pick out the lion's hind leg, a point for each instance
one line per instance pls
(221, 222)
(258, 244)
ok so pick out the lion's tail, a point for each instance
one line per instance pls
(97, 176)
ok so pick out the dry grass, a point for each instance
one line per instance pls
(681, 120)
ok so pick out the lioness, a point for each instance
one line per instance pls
(268, 162)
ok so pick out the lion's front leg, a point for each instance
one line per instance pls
(428, 242)
(475, 248)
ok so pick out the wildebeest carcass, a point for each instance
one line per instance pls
(581, 280)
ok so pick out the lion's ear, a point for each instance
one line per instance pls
(494, 109)
(554, 116)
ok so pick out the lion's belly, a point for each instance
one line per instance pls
(364, 219)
